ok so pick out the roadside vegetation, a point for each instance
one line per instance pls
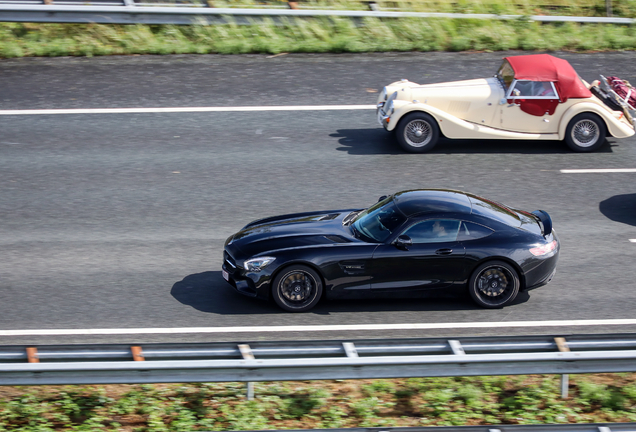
(339, 35)
(319, 35)
(320, 404)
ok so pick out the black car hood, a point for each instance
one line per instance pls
(290, 231)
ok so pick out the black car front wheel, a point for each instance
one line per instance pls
(494, 284)
(297, 288)
(417, 132)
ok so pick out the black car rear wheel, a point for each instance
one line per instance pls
(297, 288)
(494, 284)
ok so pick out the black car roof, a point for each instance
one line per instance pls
(418, 201)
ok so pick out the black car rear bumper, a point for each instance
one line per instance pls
(543, 272)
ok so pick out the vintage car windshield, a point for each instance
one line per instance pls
(379, 221)
(505, 75)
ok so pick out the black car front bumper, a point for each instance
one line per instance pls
(247, 283)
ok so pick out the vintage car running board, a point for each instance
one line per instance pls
(471, 131)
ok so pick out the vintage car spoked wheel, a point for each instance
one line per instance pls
(417, 132)
(494, 284)
(585, 133)
(297, 288)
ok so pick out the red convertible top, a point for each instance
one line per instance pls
(544, 67)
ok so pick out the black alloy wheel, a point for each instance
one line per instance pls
(297, 288)
(585, 133)
(417, 132)
(494, 284)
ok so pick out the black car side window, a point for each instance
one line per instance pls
(434, 231)
(473, 231)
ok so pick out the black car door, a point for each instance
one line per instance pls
(431, 261)
(347, 268)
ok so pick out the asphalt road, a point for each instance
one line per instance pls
(118, 220)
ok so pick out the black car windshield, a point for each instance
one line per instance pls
(379, 221)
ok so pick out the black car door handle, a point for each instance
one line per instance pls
(444, 251)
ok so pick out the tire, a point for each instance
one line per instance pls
(413, 124)
(494, 284)
(297, 288)
(585, 133)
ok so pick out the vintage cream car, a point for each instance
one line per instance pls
(532, 97)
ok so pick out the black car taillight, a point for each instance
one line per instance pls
(545, 249)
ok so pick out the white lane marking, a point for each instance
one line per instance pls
(188, 109)
(601, 170)
(632, 240)
(316, 328)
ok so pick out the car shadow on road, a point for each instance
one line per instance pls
(366, 141)
(620, 208)
(379, 141)
(208, 292)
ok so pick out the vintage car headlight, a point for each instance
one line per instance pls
(388, 108)
(382, 98)
(257, 264)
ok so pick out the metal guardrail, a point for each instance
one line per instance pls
(130, 12)
(314, 360)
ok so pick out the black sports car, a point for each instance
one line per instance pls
(406, 243)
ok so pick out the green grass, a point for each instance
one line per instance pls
(320, 35)
(320, 404)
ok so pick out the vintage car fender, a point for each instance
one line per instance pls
(456, 128)
(618, 128)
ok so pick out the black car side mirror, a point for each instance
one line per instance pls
(403, 242)
(382, 198)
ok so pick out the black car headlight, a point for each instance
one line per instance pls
(257, 264)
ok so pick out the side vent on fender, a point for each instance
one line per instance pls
(337, 239)
(328, 216)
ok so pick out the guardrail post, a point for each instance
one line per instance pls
(350, 349)
(137, 353)
(565, 383)
(247, 354)
(32, 355)
(565, 379)
(456, 347)
(608, 7)
(250, 390)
